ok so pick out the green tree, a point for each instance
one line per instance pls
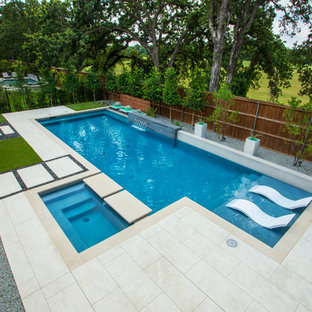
(194, 94)
(20, 82)
(170, 90)
(48, 83)
(92, 82)
(71, 83)
(122, 82)
(15, 22)
(298, 125)
(152, 86)
(50, 44)
(222, 114)
(155, 25)
(110, 81)
(135, 82)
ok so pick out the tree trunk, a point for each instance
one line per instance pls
(218, 29)
(216, 67)
(94, 95)
(243, 23)
(74, 97)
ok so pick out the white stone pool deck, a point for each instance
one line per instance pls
(175, 260)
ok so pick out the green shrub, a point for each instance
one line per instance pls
(170, 91)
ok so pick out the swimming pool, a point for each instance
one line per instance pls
(10, 82)
(159, 171)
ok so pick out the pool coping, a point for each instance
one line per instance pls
(73, 259)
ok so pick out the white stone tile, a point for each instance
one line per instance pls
(217, 257)
(7, 232)
(140, 251)
(63, 167)
(28, 288)
(256, 307)
(221, 290)
(116, 301)
(302, 308)
(7, 130)
(8, 184)
(58, 285)
(35, 175)
(183, 212)
(175, 285)
(294, 285)
(208, 306)
(47, 265)
(304, 248)
(308, 234)
(71, 299)
(252, 257)
(299, 265)
(19, 264)
(33, 236)
(3, 210)
(161, 303)
(19, 209)
(174, 251)
(36, 302)
(110, 254)
(207, 228)
(151, 230)
(133, 281)
(177, 228)
(94, 280)
(262, 290)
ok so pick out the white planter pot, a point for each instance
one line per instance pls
(201, 129)
(251, 146)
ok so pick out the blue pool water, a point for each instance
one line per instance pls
(85, 219)
(159, 171)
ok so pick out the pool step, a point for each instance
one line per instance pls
(60, 194)
(102, 185)
(82, 214)
(76, 209)
(127, 206)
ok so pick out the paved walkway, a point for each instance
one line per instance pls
(180, 263)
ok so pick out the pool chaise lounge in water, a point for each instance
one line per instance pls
(279, 199)
(257, 215)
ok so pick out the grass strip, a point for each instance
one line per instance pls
(2, 119)
(16, 153)
(85, 105)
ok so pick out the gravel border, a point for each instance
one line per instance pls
(10, 300)
(264, 153)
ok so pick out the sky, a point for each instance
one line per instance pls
(299, 37)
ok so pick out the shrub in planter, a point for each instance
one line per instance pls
(298, 125)
(221, 116)
(170, 91)
(194, 96)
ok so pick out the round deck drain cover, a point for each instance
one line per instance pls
(85, 219)
(231, 243)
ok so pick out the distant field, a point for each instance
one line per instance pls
(263, 92)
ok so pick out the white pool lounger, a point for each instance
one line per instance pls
(278, 198)
(256, 214)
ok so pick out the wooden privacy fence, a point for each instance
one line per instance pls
(266, 118)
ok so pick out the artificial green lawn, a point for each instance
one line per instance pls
(85, 105)
(16, 153)
(2, 119)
